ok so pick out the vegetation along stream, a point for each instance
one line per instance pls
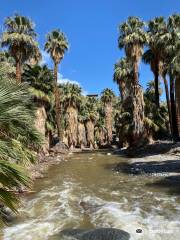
(119, 200)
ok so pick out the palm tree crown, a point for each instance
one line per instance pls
(107, 95)
(132, 37)
(56, 45)
(122, 74)
(20, 38)
(71, 95)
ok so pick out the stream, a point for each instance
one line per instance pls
(117, 200)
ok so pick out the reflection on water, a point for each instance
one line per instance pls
(115, 200)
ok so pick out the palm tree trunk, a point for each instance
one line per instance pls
(137, 105)
(156, 80)
(57, 103)
(122, 90)
(81, 135)
(72, 126)
(108, 121)
(90, 133)
(175, 133)
(136, 72)
(177, 89)
(18, 71)
(167, 100)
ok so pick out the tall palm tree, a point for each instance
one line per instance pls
(20, 39)
(71, 99)
(107, 98)
(122, 72)
(170, 42)
(81, 138)
(56, 45)
(164, 73)
(91, 117)
(40, 79)
(176, 73)
(156, 28)
(133, 38)
(158, 67)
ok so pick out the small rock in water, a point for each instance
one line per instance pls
(96, 234)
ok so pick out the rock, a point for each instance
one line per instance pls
(60, 147)
(96, 234)
(6, 214)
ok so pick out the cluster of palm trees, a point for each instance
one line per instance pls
(88, 120)
(157, 44)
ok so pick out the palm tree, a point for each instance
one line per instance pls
(18, 138)
(176, 73)
(163, 73)
(71, 99)
(170, 42)
(100, 130)
(107, 98)
(133, 38)
(158, 67)
(40, 79)
(81, 136)
(20, 39)
(156, 28)
(91, 117)
(122, 72)
(56, 46)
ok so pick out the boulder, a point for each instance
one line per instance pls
(96, 234)
(60, 147)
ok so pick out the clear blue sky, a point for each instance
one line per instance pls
(92, 29)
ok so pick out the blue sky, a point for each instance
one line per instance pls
(92, 30)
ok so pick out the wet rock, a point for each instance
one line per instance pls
(60, 147)
(6, 214)
(88, 207)
(96, 234)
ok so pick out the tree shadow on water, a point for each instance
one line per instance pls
(171, 183)
(153, 167)
(148, 150)
(157, 169)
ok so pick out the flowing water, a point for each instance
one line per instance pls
(116, 200)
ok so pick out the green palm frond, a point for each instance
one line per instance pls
(107, 95)
(56, 45)
(71, 95)
(20, 38)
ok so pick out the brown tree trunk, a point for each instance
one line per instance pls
(136, 72)
(90, 133)
(167, 100)
(137, 108)
(40, 124)
(72, 126)
(177, 89)
(18, 72)
(156, 81)
(108, 121)
(81, 135)
(137, 116)
(122, 90)
(57, 103)
(173, 109)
